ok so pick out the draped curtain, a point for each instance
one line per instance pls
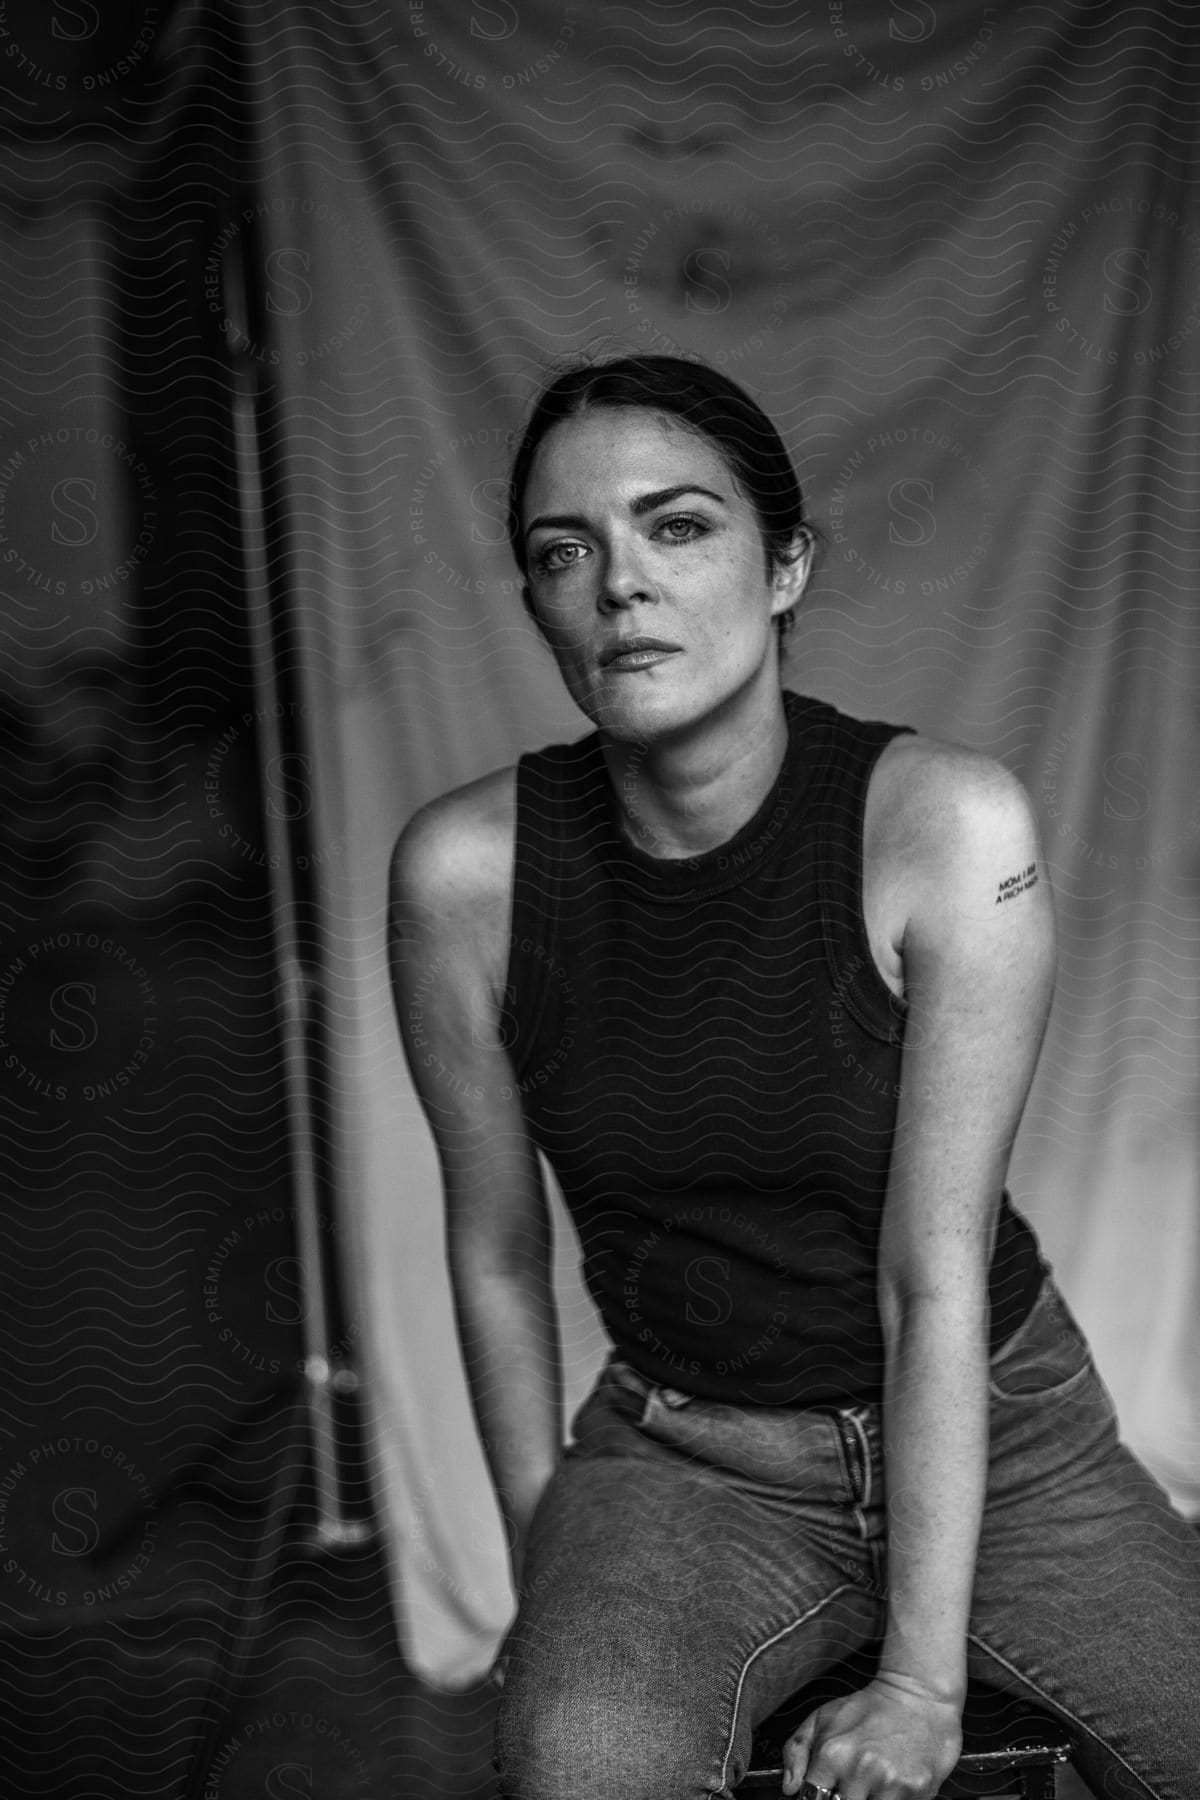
(955, 250)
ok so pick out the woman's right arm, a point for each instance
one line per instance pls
(449, 888)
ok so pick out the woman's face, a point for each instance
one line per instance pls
(635, 528)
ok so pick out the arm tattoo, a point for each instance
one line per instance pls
(1012, 885)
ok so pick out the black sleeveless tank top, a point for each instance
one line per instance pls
(710, 1061)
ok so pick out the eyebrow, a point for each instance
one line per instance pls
(644, 503)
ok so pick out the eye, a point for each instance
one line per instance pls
(546, 561)
(682, 528)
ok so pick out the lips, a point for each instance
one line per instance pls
(631, 647)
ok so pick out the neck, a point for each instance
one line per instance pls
(681, 795)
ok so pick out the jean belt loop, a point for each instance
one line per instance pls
(857, 1451)
(626, 1376)
(860, 1426)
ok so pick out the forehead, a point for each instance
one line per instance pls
(621, 450)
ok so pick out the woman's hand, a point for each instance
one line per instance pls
(890, 1741)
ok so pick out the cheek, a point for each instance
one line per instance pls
(733, 603)
(552, 609)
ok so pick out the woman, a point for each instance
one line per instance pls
(766, 985)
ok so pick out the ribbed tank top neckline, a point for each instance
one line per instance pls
(726, 865)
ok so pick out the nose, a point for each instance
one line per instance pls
(625, 580)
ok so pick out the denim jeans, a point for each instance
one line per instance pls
(692, 1564)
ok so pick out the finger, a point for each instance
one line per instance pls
(818, 1785)
(796, 1752)
(813, 1788)
(820, 1781)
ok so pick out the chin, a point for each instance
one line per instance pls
(636, 713)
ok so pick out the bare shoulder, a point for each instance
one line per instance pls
(450, 880)
(456, 852)
(928, 794)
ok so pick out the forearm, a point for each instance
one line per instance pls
(935, 1426)
(508, 1331)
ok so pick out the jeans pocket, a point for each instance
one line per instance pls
(1046, 1359)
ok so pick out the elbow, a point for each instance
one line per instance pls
(515, 1259)
(954, 1307)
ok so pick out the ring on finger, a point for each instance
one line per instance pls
(812, 1791)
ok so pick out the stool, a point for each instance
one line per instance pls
(1009, 1748)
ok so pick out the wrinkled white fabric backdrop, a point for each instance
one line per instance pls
(955, 251)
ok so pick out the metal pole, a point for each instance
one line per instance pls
(298, 987)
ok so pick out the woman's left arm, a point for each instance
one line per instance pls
(978, 952)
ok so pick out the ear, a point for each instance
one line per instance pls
(791, 579)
